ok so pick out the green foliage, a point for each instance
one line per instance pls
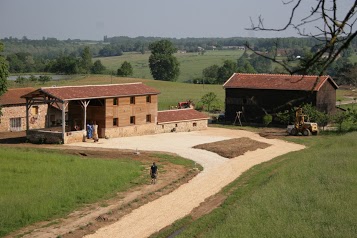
(267, 119)
(64, 65)
(210, 74)
(86, 60)
(209, 99)
(309, 193)
(44, 78)
(321, 118)
(97, 67)
(283, 117)
(37, 186)
(228, 68)
(21, 80)
(162, 63)
(125, 69)
(4, 71)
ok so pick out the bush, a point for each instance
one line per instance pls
(267, 119)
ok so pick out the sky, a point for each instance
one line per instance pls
(92, 19)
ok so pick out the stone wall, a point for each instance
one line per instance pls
(135, 130)
(19, 111)
(74, 136)
(182, 126)
(44, 137)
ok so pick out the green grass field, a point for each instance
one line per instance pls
(191, 64)
(38, 185)
(311, 193)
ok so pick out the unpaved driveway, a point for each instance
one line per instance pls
(218, 172)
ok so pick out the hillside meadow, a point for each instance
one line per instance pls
(191, 64)
(310, 193)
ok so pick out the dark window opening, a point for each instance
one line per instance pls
(148, 118)
(148, 98)
(115, 122)
(132, 100)
(132, 120)
(115, 101)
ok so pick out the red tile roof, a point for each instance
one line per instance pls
(68, 93)
(13, 96)
(179, 115)
(278, 81)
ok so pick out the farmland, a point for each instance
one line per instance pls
(191, 64)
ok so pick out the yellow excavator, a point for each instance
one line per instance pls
(302, 125)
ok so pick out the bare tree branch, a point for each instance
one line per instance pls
(332, 35)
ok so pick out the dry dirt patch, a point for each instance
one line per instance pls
(233, 147)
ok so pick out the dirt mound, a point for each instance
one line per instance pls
(233, 147)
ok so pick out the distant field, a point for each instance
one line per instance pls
(191, 64)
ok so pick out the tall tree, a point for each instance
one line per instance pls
(163, 65)
(86, 60)
(228, 68)
(4, 71)
(97, 67)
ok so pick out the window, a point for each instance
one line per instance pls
(148, 98)
(115, 122)
(132, 120)
(132, 100)
(34, 110)
(175, 125)
(15, 124)
(148, 118)
(194, 124)
(115, 101)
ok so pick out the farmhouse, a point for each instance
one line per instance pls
(258, 94)
(13, 111)
(116, 110)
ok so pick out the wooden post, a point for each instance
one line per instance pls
(64, 106)
(27, 115)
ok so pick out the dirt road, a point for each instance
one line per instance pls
(218, 172)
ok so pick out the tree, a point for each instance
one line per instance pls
(86, 60)
(209, 99)
(210, 74)
(228, 68)
(97, 67)
(4, 71)
(163, 65)
(333, 24)
(125, 70)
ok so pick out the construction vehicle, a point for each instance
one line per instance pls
(302, 125)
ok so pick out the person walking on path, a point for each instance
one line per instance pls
(153, 173)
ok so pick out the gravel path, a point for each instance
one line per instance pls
(218, 172)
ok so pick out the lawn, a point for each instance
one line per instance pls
(38, 185)
(191, 64)
(310, 193)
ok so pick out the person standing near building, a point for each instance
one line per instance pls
(153, 173)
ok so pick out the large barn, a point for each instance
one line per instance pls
(258, 94)
(117, 110)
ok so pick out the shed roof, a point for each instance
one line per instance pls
(13, 96)
(68, 93)
(278, 81)
(179, 115)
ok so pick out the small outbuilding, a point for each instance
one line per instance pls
(258, 94)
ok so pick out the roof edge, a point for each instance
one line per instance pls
(229, 79)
